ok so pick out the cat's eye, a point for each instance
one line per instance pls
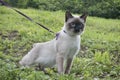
(73, 24)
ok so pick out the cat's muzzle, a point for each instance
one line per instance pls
(78, 29)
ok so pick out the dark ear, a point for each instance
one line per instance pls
(67, 16)
(84, 16)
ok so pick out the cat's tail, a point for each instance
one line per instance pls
(25, 61)
(30, 58)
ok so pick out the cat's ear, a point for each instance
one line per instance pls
(68, 15)
(84, 16)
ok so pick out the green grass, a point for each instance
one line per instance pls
(99, 57)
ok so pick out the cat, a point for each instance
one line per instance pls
(61, 49)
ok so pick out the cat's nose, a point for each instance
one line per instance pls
(77, 28)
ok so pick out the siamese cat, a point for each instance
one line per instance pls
(61, 49)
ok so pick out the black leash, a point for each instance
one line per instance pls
(5, 4)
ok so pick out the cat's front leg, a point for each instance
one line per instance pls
(60, 61)
(68, 65)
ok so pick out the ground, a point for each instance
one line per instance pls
(98, 59)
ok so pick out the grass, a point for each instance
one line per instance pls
(99, 57)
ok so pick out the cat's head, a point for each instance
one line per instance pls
(74, 25)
